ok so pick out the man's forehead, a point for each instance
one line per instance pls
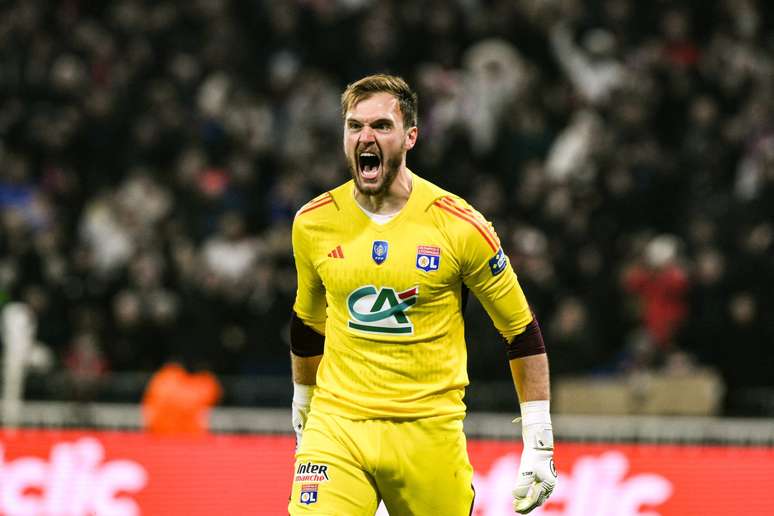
(377, 105)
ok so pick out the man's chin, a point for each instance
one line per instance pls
(376, 186)
(368, 188)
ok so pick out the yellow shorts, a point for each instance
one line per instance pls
(419, 468)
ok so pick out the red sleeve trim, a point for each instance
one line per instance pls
(313, 205)
(447, 205)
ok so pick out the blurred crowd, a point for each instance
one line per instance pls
(153, 154)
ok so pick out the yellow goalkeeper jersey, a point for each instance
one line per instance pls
(387, 297)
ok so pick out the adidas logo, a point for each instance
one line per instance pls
(336, 253)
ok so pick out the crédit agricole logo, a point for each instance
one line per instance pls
(381, 310)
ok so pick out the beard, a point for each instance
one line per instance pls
(390, 167)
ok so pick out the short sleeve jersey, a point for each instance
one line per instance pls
(388, 300)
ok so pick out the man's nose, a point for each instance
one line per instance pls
(367, 134)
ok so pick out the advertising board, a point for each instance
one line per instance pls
(72, 473)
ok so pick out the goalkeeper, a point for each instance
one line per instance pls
(384, 263)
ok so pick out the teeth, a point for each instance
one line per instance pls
(368, 154)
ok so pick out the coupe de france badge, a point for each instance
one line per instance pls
(428, 258)
(379, 251)
(498, 263)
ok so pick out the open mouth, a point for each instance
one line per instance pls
(369, 165)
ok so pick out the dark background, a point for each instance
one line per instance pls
(153, 154)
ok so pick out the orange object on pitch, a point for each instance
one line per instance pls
(177, 402)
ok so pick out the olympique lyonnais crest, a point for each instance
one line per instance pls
(379, 251)
(308, 493)
(428, 258)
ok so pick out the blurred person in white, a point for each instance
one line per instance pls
(230, 253)
(494, 76)
(105, 232)
(593, 67)
(475, 97)
(142, 197)
(571, 154)
(755, 172)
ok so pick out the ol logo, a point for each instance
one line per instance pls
(428, 258)
(308, 493)
(381, 310)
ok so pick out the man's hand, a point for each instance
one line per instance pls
(302, 399)
(537, 473)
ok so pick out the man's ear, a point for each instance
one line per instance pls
(411, 138)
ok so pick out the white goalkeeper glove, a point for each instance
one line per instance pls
(302, 399)
(537, 473)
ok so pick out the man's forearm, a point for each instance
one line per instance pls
(305, 369)
(531, 378)
(536, 478)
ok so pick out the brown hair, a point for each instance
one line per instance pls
(382, 83)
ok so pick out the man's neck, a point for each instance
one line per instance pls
(391, 201)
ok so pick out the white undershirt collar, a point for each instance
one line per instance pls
(378, 218)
